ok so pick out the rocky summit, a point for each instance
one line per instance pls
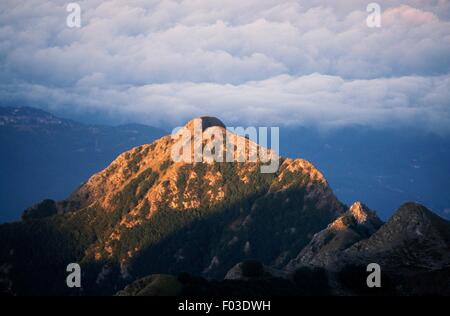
(358, 223)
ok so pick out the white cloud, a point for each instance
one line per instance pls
(256, 61)
(321, 100)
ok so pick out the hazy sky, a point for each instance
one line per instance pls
(264, 62)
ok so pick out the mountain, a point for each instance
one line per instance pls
(160, 219)
(44, 156)
(146, 214)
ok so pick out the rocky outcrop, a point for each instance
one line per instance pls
(358, 223)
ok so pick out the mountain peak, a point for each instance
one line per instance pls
(358, 223)
(361, 212)
(414, 219)
(205, 122)
(357, 215)
(412, 209)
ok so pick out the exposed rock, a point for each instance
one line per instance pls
(358, 223)
(205, 122)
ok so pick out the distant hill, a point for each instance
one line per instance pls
(43, 156)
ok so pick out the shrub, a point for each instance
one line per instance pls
(166, 164)
(252, 269)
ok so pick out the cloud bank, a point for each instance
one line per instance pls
(264, 62)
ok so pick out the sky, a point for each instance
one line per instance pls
(252, 62)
